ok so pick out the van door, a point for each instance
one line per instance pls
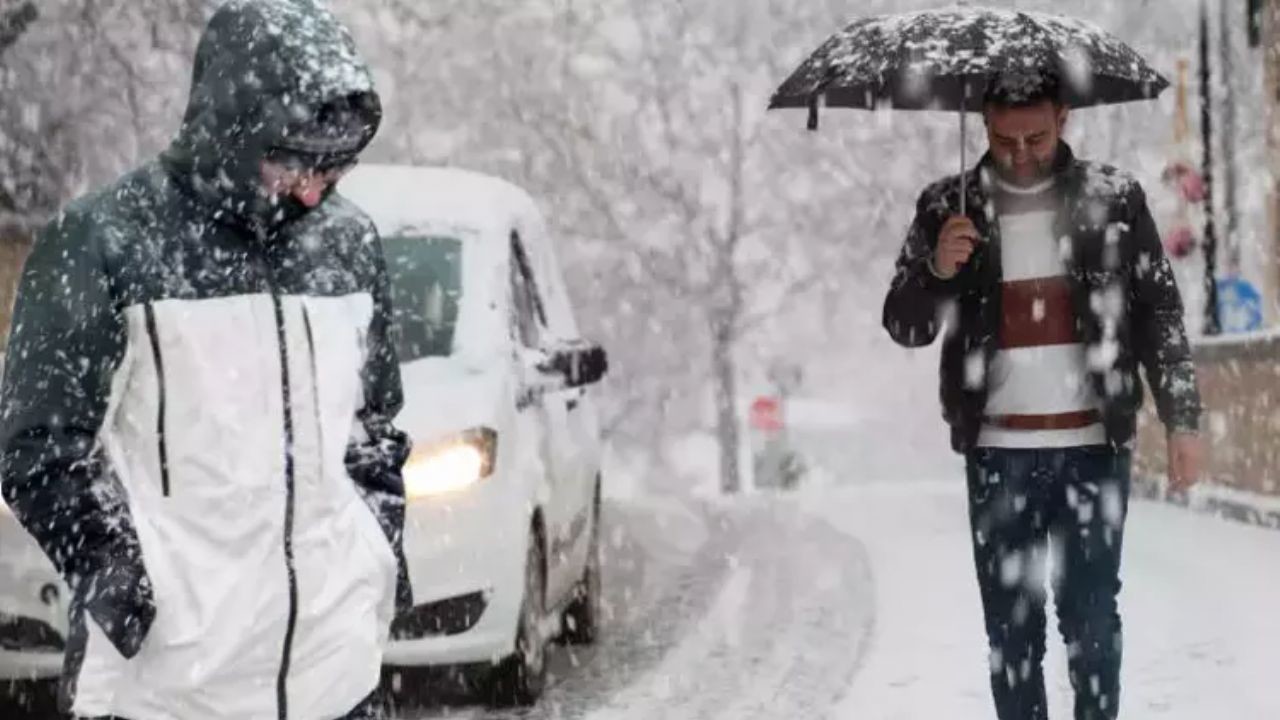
(552, 423)
(582, 449)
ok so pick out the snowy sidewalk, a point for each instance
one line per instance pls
(1201, 606)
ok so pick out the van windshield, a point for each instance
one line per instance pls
(426, 287)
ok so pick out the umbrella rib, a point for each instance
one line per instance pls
(899, 56)
(828, 77)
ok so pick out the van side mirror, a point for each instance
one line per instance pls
(579, 363)
(563, 366)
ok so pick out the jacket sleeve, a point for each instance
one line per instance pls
(67, 342)
(911, 308)
(1160, 339)
(377, 450)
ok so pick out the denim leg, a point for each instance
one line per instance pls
(1087, 532)
(1008, 499)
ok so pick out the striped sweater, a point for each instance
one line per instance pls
(1113, 253)
(1040, 395)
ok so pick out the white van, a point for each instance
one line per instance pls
(503, 485)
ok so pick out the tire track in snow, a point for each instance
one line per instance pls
(785, 635)
(662, 564)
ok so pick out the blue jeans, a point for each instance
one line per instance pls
(1023, 506)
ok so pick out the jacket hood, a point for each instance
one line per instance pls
(269, 74)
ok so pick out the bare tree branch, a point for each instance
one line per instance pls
(751, 323)
(411, 10)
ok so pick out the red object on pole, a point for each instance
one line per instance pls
(1180, 242)
(1189, 184)
(766, 414)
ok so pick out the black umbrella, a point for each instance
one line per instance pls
(950, 59)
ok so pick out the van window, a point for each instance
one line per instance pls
(426, 287)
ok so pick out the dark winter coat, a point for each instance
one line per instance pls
(1127, 306)
(198, 398)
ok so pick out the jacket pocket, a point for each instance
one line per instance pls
(158, 358)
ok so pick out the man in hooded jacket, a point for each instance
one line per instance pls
(199, 393)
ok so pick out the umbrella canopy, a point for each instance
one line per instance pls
(948, 60)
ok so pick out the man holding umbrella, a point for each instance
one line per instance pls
(1048, 275)
(1057, 289)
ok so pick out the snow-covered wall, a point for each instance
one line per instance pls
(1240, 383)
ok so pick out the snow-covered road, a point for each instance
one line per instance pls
(859, 602)
(1201, 606)
(738, 611)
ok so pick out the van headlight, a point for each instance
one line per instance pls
(451, 465)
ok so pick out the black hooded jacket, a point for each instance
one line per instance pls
(1114, 251)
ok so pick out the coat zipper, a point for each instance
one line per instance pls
(282, 679)
(156, 356)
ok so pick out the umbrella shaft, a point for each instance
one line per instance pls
(963, 163)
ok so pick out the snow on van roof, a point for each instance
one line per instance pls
(436, 199)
